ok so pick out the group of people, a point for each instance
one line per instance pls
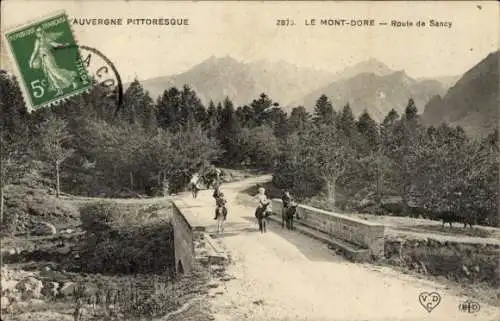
(262, 212)
(220, 201)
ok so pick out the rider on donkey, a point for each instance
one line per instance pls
(263, 209)
(289, 210)
(287, 199)
(220, 211)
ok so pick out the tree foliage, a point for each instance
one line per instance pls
(170, 138)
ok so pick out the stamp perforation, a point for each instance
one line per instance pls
(17, 69)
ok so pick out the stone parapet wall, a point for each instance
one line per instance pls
(364, 234)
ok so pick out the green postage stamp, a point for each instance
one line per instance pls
(48, 61)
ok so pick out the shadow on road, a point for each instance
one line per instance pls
(313, 250)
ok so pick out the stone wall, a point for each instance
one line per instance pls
(185, 236)
(469, 262)
(355, 231)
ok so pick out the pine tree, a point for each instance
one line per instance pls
(246, 116)
(411, 111)
(168, 109)
(299, 119)
(369, 130)
(323, 111)
(14, 142)
(138, 107)
(211, 121)
(54, 137)
(228, 131)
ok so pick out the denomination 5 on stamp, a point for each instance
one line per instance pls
(47, 75)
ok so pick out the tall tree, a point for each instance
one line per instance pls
(323, 111)
(404, 145)
(229, 128)
(212, 121)
(54, 137)
(246, 116)
(191, 108)
(261, 107)
(168, 108)
(411, 111)
(13, 134)
(299, 119)
(369, 130)
(330, 155)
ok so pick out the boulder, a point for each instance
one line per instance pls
(9, 285)
(50, 289)
(4, 302)
(67, 289)
(30, 288)
(44, 228)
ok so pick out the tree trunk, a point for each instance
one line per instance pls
(380, 181)
(131, 181)
(1, 204)
(404, 196)
(330, 189)
(1, 185)
(58, 191)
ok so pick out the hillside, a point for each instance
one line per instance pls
(446, 81)
(372, 66)
(472, 102)
(216, 78)
(376, 93)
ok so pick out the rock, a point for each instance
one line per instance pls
(227, 278)
(44, 228)
(30, 288)
(50, 289)
(9, 285)
(4, 302)
(465, 270)
(67, 289)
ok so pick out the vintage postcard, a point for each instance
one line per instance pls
(249, 160)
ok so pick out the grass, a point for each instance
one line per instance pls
(124, 271)
(136, 239)
(26, 206)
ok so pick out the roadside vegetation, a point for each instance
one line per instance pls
(328, 158)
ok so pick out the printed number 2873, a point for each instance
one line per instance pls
(285, 22)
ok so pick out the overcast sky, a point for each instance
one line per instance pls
(248, 32)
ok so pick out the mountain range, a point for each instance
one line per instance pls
(472, 103)
(469, 100)
(216, 78)
(370, 84)
(378, 93)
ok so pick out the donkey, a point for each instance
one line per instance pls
(289, 215)
(261, 215)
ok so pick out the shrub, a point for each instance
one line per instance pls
(25, 207)
(126, 238)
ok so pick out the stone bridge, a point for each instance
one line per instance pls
(295, 275)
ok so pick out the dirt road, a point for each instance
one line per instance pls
(284, 276)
